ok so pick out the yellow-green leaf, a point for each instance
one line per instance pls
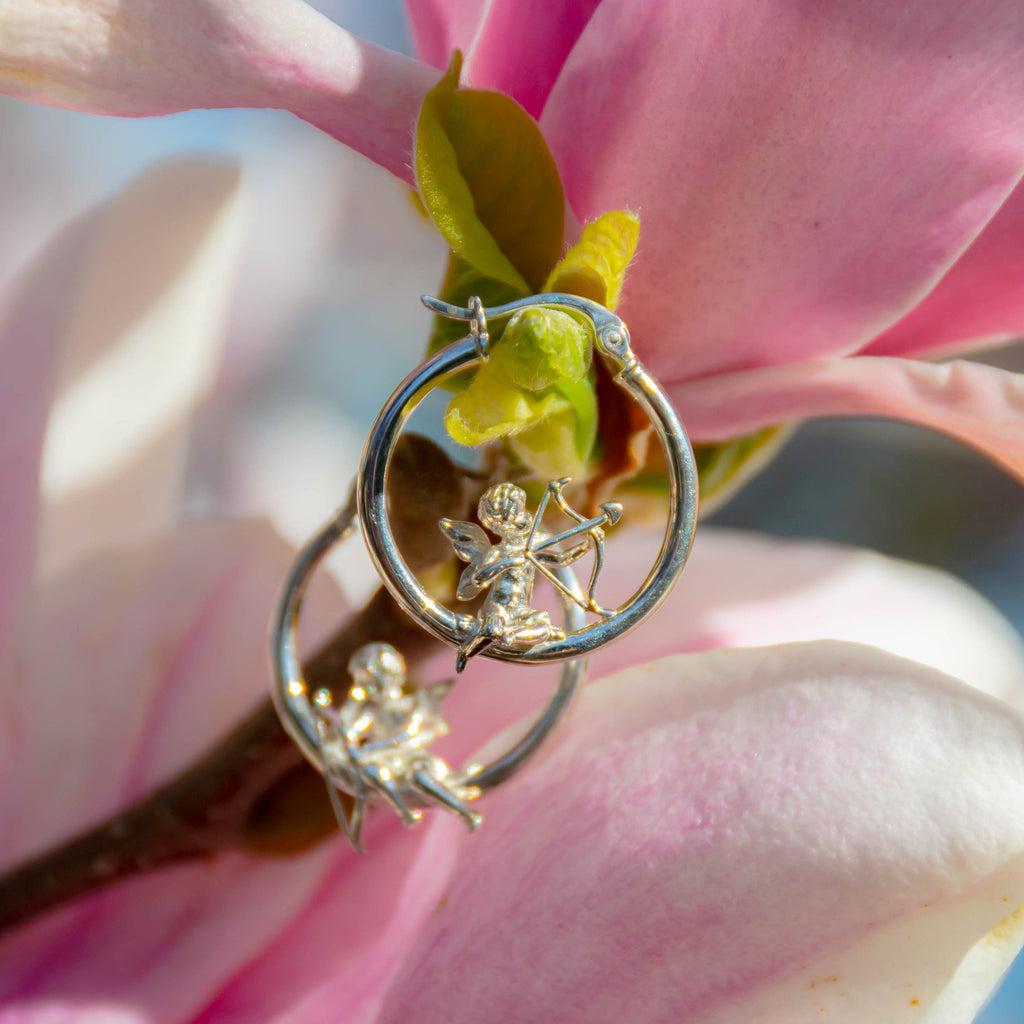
(541, 347)
(723, 467)
(489, 182)
(595, 266)
(562, 444)
(553, 432)
(493, 407)
(726, 467)
(549, 448)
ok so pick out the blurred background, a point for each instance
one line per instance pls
(324, 316)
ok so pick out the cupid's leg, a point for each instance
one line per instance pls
(531, 628)
(474, 645)
(386, 788)
(431, 786)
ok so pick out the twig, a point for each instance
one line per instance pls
(252, 791)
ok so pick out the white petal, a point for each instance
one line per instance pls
(141, 336)
(808, 832)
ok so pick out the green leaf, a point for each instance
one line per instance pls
(489, 182)
(727, 466)
(562, 444)
(493, 407)
(723, 468)
(541, 347)
(595, 266)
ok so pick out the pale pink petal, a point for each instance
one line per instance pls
(747, 590)
(817, 831)
(136, 664)
(805, 173)
(979, 405)
(102, 282)
(129, 668)
(151, 57)
(354, 936)
(141, 344)
(142, 499)
(980, 300)
(28, 335)
(133, 665)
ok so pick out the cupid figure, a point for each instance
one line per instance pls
(506, 570)
(379, 739)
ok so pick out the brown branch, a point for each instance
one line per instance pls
(253, 791)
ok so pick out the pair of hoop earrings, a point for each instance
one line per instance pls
(374, 745)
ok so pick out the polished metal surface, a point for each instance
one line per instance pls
(384, 757)
(613, 344)
(506, 569)
(379, 740)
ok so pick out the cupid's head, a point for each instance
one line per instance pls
(377, 668)
(502, 509)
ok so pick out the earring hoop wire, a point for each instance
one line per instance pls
(291, 690)
(613, 344)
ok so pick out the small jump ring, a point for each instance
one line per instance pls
(397, 769)
(474, 635)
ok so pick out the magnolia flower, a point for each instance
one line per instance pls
(815, 186)
(759, 834)
(783, 833)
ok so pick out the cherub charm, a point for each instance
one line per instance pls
(374, 746)
(377, 742)
(507, 569)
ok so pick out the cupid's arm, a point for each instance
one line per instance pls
(481, 574)
(491, 569)
(573, 554)
(356, 719)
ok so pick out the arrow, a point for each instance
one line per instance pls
(611, 515)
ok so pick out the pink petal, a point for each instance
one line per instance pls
(747, 590)
(77, 299)
(154, 950)
(156, 58)
(517, 48)
(805, 173)
(748, 835)
(440, 26)
(981, 299)
(135, 664)
(980, 405)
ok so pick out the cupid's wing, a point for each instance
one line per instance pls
(428, 701)
(471, 544)
(468, 539)
(429, 698)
